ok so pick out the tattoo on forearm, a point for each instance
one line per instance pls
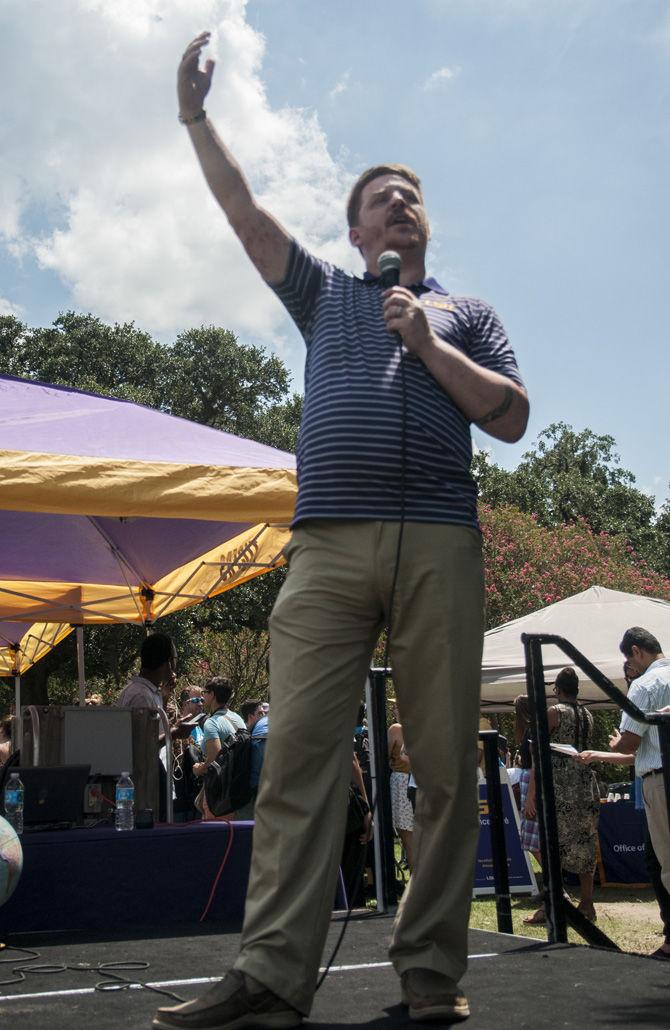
(501, 410)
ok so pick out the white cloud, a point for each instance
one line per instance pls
(96, 150)
(341, 86)
(439, 77)
(8, 308)
(659, 36)
(10, 207)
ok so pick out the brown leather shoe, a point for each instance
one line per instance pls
(229, 1004)
(432, 997)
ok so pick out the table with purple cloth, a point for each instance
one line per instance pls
(103, 879)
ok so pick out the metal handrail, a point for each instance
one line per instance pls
(559, 910)
(490, 739)
(387, 898)
(587, 667)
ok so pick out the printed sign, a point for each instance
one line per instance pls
(622, 830)
(519, 870)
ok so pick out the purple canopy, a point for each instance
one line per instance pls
(110, 511)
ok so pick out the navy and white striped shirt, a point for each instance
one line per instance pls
(349, 447)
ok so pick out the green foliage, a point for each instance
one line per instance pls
(209, 377)
(246, 606)
(83, 352)
(242, 656)
(570, 476)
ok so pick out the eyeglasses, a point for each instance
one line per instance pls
(194, 700)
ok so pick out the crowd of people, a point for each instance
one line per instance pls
(201, 721)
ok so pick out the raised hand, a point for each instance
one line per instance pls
(192, 82)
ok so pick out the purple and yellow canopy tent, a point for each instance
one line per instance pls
(114, 512)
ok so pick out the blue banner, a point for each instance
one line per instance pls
(521, 875)
(622, 830)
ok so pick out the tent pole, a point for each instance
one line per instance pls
(81, 668)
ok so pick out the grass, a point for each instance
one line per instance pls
(629, 917)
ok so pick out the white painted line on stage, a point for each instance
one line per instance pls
(381, 965)
(91, 990)
(46, 994)
(194, 982)
(362, 965)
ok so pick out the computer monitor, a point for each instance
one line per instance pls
(53, 794)
(99, 737)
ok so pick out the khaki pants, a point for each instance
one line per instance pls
(323, 630)
(653, 791)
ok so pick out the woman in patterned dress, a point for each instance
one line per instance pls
(575, 788)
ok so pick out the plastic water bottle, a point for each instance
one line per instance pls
(14, 802)
(124, 818)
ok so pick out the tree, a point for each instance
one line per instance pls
(242, 656)
(213, 379)
(529, 566)
(85, 353)
(570, 476)
(663, 528)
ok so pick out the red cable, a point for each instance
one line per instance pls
(218, 875)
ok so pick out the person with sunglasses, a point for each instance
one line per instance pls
(187, 751)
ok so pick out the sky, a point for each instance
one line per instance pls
(539, 129)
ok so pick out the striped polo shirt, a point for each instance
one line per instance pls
(349, 446)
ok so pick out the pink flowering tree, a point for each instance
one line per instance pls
(529, 566)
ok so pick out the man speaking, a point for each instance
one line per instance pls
(393, 379)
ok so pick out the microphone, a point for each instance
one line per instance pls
(389, 269)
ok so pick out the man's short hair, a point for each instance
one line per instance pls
(354, 202)
(249, 708)
(221, 687)
(636, 636)
(567, 682)
(156, 649)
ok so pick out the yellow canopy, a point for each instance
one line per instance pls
(112, 512)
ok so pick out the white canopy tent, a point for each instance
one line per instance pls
(593, 621)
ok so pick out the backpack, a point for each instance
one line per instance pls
(227, 786)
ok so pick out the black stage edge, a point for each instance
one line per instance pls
(512, 983)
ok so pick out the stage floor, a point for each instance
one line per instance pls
(511, 984)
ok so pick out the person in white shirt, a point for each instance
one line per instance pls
(150, 689)
(650, 692)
